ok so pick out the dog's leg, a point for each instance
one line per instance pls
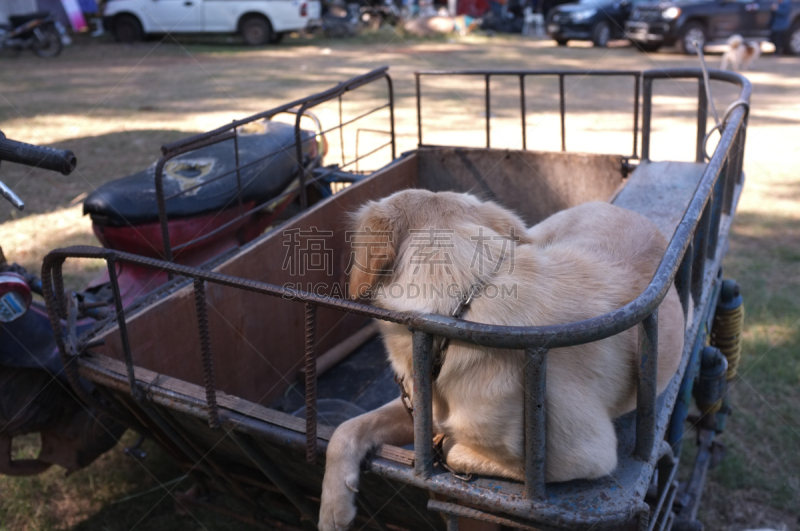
(467, 460)
(349, 445)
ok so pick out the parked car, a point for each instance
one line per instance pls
(258, 21)
(598, 21)
(652, 25)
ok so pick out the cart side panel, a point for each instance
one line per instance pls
(534, 184)
(257, 341)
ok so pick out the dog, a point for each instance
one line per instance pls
(577, 264)
(740, 55)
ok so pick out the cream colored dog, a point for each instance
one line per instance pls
(740, 55)
(580, 263)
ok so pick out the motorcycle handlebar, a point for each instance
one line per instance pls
(63, 161)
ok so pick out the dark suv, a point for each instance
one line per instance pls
(598, 21)
(652, 25)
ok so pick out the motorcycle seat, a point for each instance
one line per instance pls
(19, 20)
(268, 145)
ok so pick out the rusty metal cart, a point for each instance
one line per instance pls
(211, 365)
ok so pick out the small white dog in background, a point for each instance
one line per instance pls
(740, 55)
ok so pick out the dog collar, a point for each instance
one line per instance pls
(440, 345)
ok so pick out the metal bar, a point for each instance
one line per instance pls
(637, 81)
(452, 522)
(123, 328)
(206, 140)
(358, 136)
(391, 115)
(60, 293)
(163, 219)
(238, 169)
(205, 353)
(730, 182)
(667, 466)
(273, 473)
(523, 110)
(647, 114)
(700, 248)
(311, 383)
(314, 99)
(694, 490)
(693, 72)
(739, 150)
(301, 170)
(341, 130)
(716, 200)
(702, 117)
(423, 408)
(488, 113)
(419, 110)
(646, 387)
(535, 421)
(563, 111)
(683, 279)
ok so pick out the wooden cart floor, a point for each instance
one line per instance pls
(364, 379)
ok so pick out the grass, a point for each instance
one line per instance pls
(115, 105)
(115, 493)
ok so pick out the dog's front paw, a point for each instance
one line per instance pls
(338, 507)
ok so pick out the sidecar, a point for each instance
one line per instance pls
(242, 368)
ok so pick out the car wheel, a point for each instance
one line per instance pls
(49, 45)
(562, 42)
(601, 34)
(127, 29)
(793, 40)
(691, 32)
(647, 46)
(256, 31)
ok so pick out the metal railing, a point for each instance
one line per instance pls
(301, 108)
(522, 75)
(684, 262)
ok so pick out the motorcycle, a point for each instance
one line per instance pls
(37, 31)
(206, 191)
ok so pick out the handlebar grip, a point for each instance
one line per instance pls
(63, 161)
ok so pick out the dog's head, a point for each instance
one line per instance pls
(383, 230)
(734, 41)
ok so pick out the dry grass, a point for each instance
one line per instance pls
(115, 105)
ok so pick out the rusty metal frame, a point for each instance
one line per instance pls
(300, 107)
(537, 74)
(692, 260)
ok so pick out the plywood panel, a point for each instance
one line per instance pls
(534, 184)
(258, 341)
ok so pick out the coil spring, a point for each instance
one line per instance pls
(726, 335)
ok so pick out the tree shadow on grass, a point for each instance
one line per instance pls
(101, 158)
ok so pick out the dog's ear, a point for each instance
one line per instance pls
(374, 240)
(504, 222)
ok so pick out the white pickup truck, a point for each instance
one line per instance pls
(258, 21)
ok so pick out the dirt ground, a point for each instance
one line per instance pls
(115, 105)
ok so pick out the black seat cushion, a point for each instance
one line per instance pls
(132, 200)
